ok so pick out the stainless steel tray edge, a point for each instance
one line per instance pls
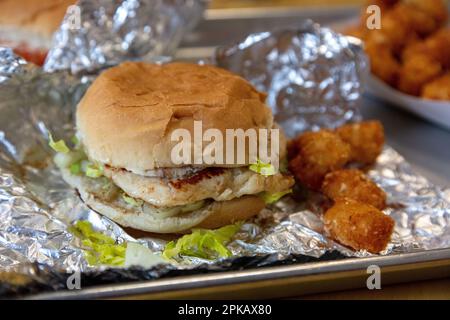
(262, 283)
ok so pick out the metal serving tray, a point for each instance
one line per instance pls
(420, 146)
(277, 282)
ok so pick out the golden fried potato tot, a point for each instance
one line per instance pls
(436, 9)
(392, 34)
(358, 225)
(438, 46)
(353, 184)
(424, 62)
(416, 72)
(413, 49)
(416, 20)
(438, 89)
(316, 154)
(383, 63)
(365, 138)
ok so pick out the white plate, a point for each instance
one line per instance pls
(433, 110)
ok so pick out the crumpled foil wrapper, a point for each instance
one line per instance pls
(99, 33)
(10, 64)
(36, 206)
(313, 77)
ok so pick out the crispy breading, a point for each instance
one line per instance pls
(438, 89)
(353, 184)
(365, 138)
(437, 9)
(383, 63)
(414, 19)
(433, 45)
(358, 225)
(425, 61)
(316, 154)
(393, 32)
(438, 46)
(416, 72)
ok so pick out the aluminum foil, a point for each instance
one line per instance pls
(313, 76)
(99, 33)
(36, 206)
(10, 64)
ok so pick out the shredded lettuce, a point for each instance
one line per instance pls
(202, 243)
(270, 198)
(100, 249)
(132, 201)
(76, 160)
(75, 168)
(94, 170)
(265, 169)
(58, 146)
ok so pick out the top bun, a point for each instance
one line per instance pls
(127, 115)
(31, 21)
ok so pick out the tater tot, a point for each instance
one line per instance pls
(424, 62)
(438, 89)
(416, 72)
(392, 34)
(358, 225)
(418, 21)
(316, 154)
(413, 49)
(438, 46)
(353, 184)
(365, 138)
(383, 63)
(436, 9)
(398, 53)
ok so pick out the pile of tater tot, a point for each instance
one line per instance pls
(324, 161)
(411, 50)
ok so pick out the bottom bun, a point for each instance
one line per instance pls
(212, 215)
(228, 212)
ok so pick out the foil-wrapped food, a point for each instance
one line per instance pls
(314, 79)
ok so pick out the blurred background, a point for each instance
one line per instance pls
(273, 3)
(228, 21)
